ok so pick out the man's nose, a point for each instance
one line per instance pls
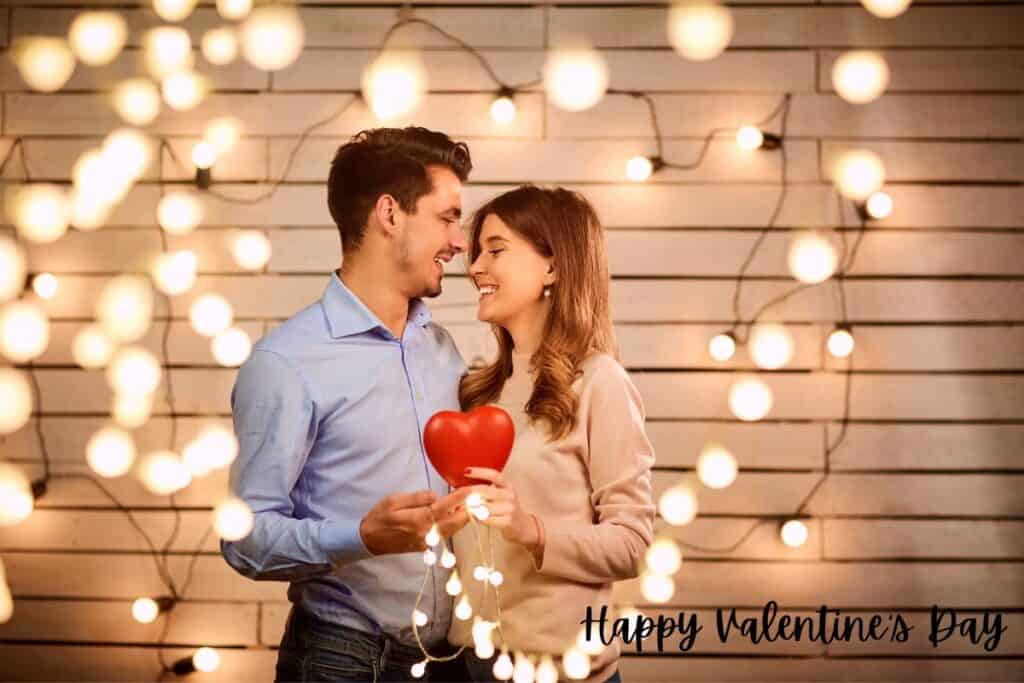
(458, 239)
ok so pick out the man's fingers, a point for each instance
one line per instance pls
(416, 499)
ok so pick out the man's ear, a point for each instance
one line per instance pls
(386, 211)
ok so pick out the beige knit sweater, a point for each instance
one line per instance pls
(592, 493)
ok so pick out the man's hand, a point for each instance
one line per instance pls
(398, 523)
(451, 512)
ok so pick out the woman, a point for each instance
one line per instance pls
(574, 503)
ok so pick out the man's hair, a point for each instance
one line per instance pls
(390, 161)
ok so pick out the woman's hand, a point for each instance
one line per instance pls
(517, 525)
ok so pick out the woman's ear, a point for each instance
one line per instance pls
(550, 278)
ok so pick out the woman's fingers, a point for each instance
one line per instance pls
(486, 474)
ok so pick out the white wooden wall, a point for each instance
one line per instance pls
(924, 502)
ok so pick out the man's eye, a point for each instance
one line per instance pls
(495, 251)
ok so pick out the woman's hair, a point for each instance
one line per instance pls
(562, 225)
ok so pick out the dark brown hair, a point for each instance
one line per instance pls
(562, 225)
(387, 161)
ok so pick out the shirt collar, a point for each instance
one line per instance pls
(347, 315)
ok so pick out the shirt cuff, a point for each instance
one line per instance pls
(342, 543)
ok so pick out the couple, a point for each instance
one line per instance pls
(329, 412)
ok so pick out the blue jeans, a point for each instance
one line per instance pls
(317, 650)
(482, 670)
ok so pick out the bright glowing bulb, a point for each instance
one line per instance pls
(39, 211)
(167, 50)
(503, 110)
(474, 500)
(663, 557)
(16, 500)
(184, 90)
(131, 412)
(91, 347)
(179, 212)
(206, 659)
(482, 512)
(223, 133)
(232, 519)
(251, 249)
(879, 205)
(749, 137)
(860, 76)
(134, 371)
(678, 505)
(110, 452)
(218, 445)
(484, 650)
(124, 308)
(234, 9)
(454, 586)
(503, 667)
(163, 473)
(575, 79)
(429, 558)
(462, 610)
(145, 610)
(794, 533)
(272, 37)
(523, 671)
(448, 559)
(94, 177)
(771, 345)
(840, 343)
(639, 169)
(716, 466)
(576, 664)
(418, 669)
(219, 46)
(12, 269)
(750, 399)
(394, 84)
(231, 347)
(700, 30)
(98, 37)
(137, 101)
(210, 314)
(859, 173)
(45, 63)
(419, 618)
(174, 10)
(886, 9)
(433, 536)
(128, 153)
(86, 211)
(15, 400)
(547, 672)
(496, 578)
(657, 588)
(811, 257)
(24, 331)
(175, 272)
(722, 347)
(480, 572)
(45, 285)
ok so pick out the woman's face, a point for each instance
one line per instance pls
(510, 275)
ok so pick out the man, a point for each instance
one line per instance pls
(329, 411)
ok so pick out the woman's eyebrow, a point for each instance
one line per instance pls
(495, 238)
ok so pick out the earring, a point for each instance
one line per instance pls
(547, 291)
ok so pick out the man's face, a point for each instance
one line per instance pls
(431, 236)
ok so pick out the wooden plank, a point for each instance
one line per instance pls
(929, 161)
(937, 495)
(717, 538)
(940, 70)
(935, 348)
(761, 446)
(857, 539)
(927, 446)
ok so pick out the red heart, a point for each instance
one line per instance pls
(480, 438)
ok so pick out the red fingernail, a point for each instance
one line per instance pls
(468, 470)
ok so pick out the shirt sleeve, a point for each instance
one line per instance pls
(275, 422)
(619, 462)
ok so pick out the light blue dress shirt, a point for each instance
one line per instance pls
(329, 412)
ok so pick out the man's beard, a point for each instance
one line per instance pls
(406, 265)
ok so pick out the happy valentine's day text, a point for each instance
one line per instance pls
(827, 626)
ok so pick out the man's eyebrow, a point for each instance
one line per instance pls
(454, 210)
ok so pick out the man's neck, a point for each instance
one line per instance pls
(391, 307)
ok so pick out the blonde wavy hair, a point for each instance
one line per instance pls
(562, 225)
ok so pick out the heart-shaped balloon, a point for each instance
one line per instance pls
(482, 437)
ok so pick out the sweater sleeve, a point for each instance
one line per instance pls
(619, 460)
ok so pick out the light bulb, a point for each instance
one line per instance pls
(223, 133)
(749, 137)
(231, 347)
(886, 9)
(657, 588)
(750, 399)
(39, 211)
(174, 10)
(859, 173)
(678, 505)
(575, 79)
(481, 512)
(503, 667)
(462, 610)
(124, 307)
(418, 669)
(210, 314)
(179, 212)
(15, 400)
(44, 62)
(429, 558)
(812, 258)
(546, 670)
(86, 211)
(448, 559)
(127, 153)
(879, 205)
(206, 659)
(419, 618)
(716, 466)
(794, 533)
(91, 347)
(771, 345)
(12, 269)
(474, 500)
(722, 346)
(503, 110)
(454, 586)
(98, 37)
(272, 37)
(576, 664)
(163, 473)
(219, 46)
(480, 572)
(184, 90)
(45, 285)
(218, 445)
(167, 50)
(840, 343)
(145, 610)
(234, 9)
(394, 84)
(131, 412)
(204, 154)
(639, 169)
(860, 76)
(110, 452)
(232, 519)
(24, 331)
(433, 536)
(251, 249)
(496, 578)
(137, 101)
(484, 650)
(16, 499)
(523, 670)
(134, 371)
(174, 273)
(93, 176)
(699, 30)
(662, 557)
